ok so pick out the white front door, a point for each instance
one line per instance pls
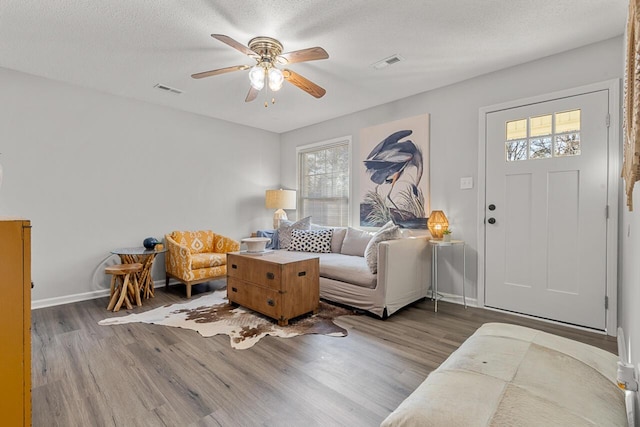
(546, 209)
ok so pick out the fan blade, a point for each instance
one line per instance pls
(220, 71)
(234, 44)
(253, 94)
(310, 54)
(304, 84)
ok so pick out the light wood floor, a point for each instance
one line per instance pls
(84, 374)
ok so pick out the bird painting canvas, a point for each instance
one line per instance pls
(395, 173)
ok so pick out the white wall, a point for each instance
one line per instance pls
(454, 132)
(629, 293)
(94, 172)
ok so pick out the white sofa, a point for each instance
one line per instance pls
(403, 276)
(507, 375)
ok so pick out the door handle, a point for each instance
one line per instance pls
(492, 220)
(492, 207)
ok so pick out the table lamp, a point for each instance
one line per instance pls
(437, 223)
(280, 200)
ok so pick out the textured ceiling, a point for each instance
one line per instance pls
(125, 47)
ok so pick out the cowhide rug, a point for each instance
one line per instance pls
(211, 315)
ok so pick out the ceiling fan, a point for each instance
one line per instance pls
(267, 52)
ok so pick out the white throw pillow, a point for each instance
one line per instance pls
(311, 240)
(284, 231)
(389, 231)
(355, 242)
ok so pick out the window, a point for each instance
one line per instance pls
(541, 137)
(323, 180)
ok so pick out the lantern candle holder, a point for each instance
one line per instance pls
(437, 223)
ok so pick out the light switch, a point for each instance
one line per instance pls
(466, 182)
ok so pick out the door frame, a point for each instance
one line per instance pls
(613, 185)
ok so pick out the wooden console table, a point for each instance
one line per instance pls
(278, 284)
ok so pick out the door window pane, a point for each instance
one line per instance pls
(568, 121)
(516, 150)
(568, 145)
(541, 125)
(516, 129)
(540, 148)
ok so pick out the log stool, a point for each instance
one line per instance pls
(120, 289)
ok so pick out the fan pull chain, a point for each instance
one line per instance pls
(266, 95)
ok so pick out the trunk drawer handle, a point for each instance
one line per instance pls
(270, 276)
(234, 266)
(234, 289)
(271, 302)
(302, 273)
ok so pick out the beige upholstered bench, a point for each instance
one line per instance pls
(507, 375)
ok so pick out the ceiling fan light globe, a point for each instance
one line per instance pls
(275, 79)
(257, 86)
(275, 85)
(256, 77)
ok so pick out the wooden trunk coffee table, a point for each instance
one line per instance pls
(278, 284)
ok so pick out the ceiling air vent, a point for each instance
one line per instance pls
(167, 88)
(394, 59)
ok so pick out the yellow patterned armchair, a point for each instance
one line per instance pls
(197, 256)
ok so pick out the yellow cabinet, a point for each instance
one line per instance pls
(15, 321)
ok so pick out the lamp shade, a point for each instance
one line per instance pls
(280, 199)
(437, 223)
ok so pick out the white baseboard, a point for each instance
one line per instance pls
(68, 299)
(85, 296)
